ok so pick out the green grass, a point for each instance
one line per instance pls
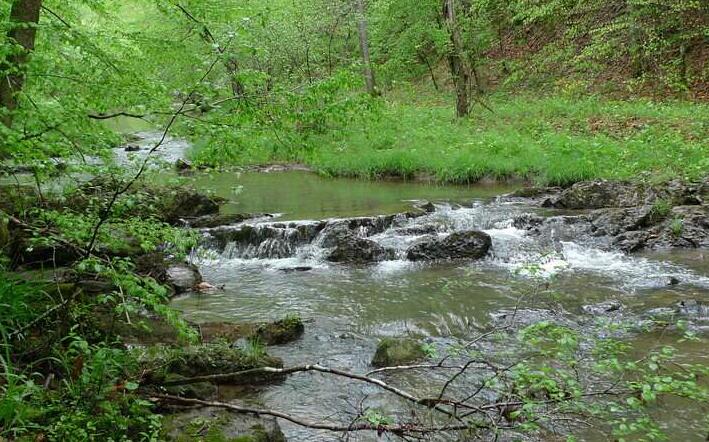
(551, 140)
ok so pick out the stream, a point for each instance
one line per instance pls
(348, 308)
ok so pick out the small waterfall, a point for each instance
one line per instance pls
(523, 241)
(263, 241)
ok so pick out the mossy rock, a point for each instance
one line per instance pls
(226, 331)
(198, 390)
(216, 425)
(209, 359)
(280, 332)
(397, 351)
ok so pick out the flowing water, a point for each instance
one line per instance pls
(274, 266)
(350, 307)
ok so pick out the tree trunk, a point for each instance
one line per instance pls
(24, 17)
(364, 46)
(456, 62)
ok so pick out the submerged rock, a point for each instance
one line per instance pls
(397, 351)
(470, 244)
(602, 308)
(132, 148)
(214, 424)
(295, 269)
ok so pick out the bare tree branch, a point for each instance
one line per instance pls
(362, 426)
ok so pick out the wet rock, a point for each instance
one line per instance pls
(617, 221)
(527, 221)
(602, 308)
(132, 148)
(206, 288)
(601, 194)
(524, 317)
(280, 332)
(397, 351)
(689, 307)
(190, 204)
(347, 247)
(182, 277)
(296, 269)
(416, 230)
(471, 244)
(196, 390)
(683, 227)
(533, 192)
(427, 207)
(213, 424)
(264, 240)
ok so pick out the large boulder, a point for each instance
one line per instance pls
(470, 244)
(397, 351)
(347, 247)
(182, 277)
(601, 193)
(190, 204)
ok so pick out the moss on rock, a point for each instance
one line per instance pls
(397, 351)
(280, 332)
(215, 425)
(208, 359)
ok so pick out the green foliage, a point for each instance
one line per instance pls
(660, 209)
(677, 226)
(553, 140)
(563, 366)
(377, 417)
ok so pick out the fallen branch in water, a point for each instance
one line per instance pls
(428, 402)
(362, 426)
